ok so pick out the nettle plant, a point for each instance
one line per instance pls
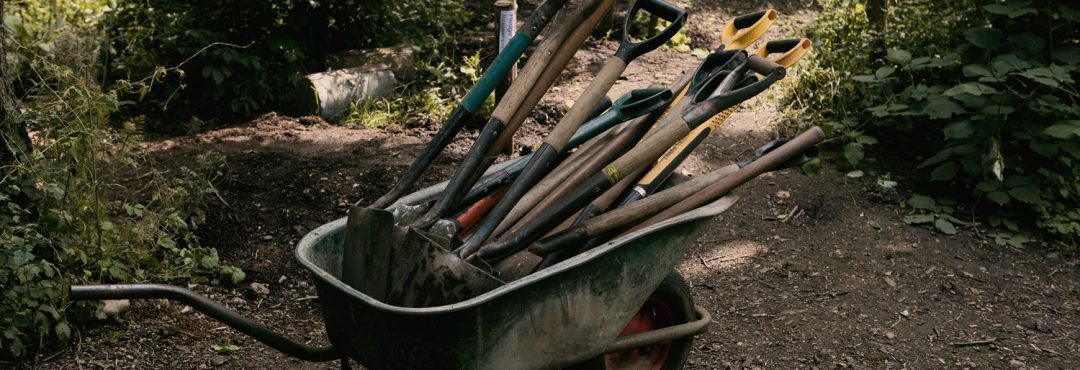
(991, 114)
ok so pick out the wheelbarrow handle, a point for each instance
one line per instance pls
(629, 50)
(665, 334)
(210, 308)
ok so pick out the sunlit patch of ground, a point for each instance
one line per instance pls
(725, 256)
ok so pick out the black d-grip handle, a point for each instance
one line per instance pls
(764, 66)
(781, 46)
(745, 21)
(663, 10)
(713, 64)
(707, 102)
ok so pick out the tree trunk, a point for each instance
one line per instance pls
(876, 16)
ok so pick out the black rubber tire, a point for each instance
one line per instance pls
(675, 292)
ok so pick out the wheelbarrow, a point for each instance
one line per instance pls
(600, 309)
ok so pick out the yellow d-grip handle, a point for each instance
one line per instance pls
(738, 34)
(733, 38)
(783, 52)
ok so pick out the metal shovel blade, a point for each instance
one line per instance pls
(401, 266)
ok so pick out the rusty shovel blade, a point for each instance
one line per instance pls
(403, 267)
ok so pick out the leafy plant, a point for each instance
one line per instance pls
(74, 208)
(983, 98)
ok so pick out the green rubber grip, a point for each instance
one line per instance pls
(496, 72)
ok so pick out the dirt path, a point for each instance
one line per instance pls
(802, 273)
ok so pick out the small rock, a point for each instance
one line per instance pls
(168, 331)
(260, 289)
(891, 282)
(217, 361)
(302, 284)
(268, 237)
(282, 279)
(1016, 364)
(783, 194)
(889, 334)
(1041, 326)
(114, 307)
(905, 313)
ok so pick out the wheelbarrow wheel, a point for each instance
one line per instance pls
(670, 304)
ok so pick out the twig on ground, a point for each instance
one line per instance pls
(974, 343)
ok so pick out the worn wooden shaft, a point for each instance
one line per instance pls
(767, 162)
(557, 62)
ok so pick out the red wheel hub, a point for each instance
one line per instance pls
(653, 315)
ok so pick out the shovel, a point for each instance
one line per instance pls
(782, 52)
(742, 31)
(707, 102)
(554, 144)
(772, 156)
(546, 60)
(632, 104)
(466, 110)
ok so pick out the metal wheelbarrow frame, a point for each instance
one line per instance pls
(553, 318)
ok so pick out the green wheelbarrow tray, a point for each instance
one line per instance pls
(556, 317)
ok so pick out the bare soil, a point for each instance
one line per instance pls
(804, 272)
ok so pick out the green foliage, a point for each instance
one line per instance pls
(411, 106)
(83, 207)
(983, 98)
(233, 65)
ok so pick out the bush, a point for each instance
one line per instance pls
(232, 66)
(980, 94)
(73, 209)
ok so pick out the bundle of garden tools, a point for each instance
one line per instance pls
(605, 169)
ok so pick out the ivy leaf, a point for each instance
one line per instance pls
(995, 109)
(945, 227)
(853, 152)
(1063, 130)
(812, 168)
(1006, 63)
(918, 219)
(976, 70)
(941, 108)
(919, 63)
(1067, 54)
(1025, 194)
(866, 140)
(922, 202)
(999, 197)
(959, 130)
(898, 56)
(984, 37)
(883, 72)
(863, 78)
(973, 88)
(970, 101)
(1041, 75)
(945, 172)
(1012, 9)
(63, 332)
(1045, 148)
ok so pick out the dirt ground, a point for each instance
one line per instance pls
(803, 272)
